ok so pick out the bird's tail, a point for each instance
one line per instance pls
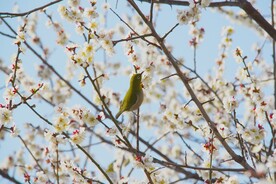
(118, 114)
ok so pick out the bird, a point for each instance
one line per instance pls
(134, 95)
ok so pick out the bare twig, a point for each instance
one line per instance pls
(152, 144)
(7, 35)
(273, 54)
(57, 164)
(148, 176)
(5, 175)
(189, 147)
(11, 15)
(137, 129)
(270, 152)
(95, 163)
(168, 76)
(150, 43)
(170, 31)
(188, 103)
(26, 146)
(131, 38)
(208, 101)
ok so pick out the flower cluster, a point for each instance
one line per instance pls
(192, 15)
(173, 121)
(78, 135)
(254, 135)
(5, 116)
(144, 162)
(188, 16)
(230, 104)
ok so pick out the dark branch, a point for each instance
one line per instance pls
(186, 3)
(8, 177)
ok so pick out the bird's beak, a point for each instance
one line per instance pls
(142, 72)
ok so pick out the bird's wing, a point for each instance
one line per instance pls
(139, 101)
(129, 100)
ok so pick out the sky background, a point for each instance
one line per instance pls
(208, 50)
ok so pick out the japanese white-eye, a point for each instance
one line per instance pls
(134, 95)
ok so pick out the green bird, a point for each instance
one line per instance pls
(134, 96)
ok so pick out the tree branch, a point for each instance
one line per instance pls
(186, 3)
(259, 19)
(12, 15)
(8, 177)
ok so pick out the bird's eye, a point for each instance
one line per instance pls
(138, 77)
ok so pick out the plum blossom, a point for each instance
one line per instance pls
(90, 13)
(78, 135)
(253, 135)
(232, 180)
(5, 116)
(183, 17)
(230, 104)
(271, 162)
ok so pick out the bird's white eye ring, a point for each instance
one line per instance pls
(138, 77)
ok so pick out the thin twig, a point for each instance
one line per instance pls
(131, 38)
(151, 10)
(157, 140)
(170, 31)
(151, 43)
(168, 76)
(7, 35)
(11, 15)
(137, 129)
(95, 163)
(57, 164)
(273, 54)
(270, 152)
(187, 103)
(211, 158)
(195, 58)
(208, 101)
(189, 147)
(26, 146)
